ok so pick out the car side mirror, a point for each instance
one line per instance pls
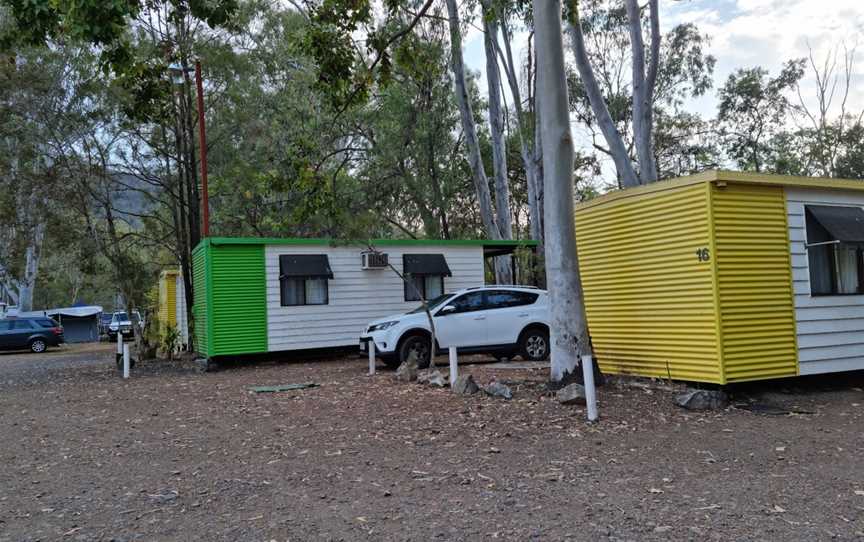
(449, 309)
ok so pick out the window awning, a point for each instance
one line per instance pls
(425, 264)
(843, 224)
(304, 265)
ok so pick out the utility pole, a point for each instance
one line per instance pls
(202, 143)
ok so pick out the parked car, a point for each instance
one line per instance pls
(36, 334)
(121, 323)
(500, 320)
(105, 321)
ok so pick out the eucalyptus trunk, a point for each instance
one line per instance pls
(643, 89)
(624, 166)
(530, 155)
(472, 143)
(568, 324)
(503, 269)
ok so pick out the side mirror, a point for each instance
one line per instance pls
(449, 309)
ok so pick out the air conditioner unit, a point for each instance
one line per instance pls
(374, 260)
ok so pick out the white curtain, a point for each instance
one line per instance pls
(316, 291)
(434, 286)
(847, 269)
(292, 291)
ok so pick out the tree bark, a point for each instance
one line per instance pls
(569, 327)
(503, 269)
(617, 149)
(643, 92)
(530, 156)
(481, 182)
(32, 257)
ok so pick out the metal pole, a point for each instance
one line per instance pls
(371, 358)
(202, 143)
(590, 389)
(119, 344)
(125, 360)
(454, 366)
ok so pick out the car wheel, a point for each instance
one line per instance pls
(417, 344)
(535, 344)
(37, 346)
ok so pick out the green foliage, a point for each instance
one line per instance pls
(753, 108)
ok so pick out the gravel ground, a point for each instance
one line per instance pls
(173, 454)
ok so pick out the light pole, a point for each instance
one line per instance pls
(180, 74)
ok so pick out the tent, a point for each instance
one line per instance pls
(80, 323)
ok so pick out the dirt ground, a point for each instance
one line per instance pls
(173, 454)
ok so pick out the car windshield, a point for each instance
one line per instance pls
(121, 317)
(433, 303)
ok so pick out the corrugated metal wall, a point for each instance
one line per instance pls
(649, 293)
(199, 294)
(754, 278)
(238, 306)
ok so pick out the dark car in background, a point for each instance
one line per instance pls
(35, 334)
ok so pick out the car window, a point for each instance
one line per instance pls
(5, 325)
(472, 301)
(22, 324)
(500, 299)
(45, 322)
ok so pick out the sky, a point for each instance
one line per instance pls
(747, 33)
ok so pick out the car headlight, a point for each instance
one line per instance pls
(382, 326)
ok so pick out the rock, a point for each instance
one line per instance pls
(407, 371)
(465, 385)
(572, 394)
(702, 400)
(437, 379)
(432, 377)
(497, 389)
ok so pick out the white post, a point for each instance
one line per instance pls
(119, 343)
(590, 389)
(454, 366)
(371, 358)
(125, 361)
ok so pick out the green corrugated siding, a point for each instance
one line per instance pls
(199, 293)
(238, 300)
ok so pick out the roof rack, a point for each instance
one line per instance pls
(504, 286)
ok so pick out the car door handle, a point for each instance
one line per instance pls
(480, 318)
(523, 315)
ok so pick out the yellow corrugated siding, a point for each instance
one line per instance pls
(650, 301)
(754, 281)
(168, 298)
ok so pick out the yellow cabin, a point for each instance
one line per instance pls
(172, 303)
(725, 277)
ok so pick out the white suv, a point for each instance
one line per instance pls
(500, 320)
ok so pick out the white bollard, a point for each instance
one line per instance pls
(590, 389)
(454, 366)
(119, 343)
(125, 361)
(371, 358)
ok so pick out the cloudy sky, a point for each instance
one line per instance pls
(746, 33)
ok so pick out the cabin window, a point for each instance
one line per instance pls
(303, 279)
(835, 249)
(429, 286)
(424, 275)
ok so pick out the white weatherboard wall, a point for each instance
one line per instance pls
(180, 309)
(830, 329)
(357, 296)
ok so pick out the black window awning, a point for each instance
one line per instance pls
(304, 265)
(425, 264)
(842, 224)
